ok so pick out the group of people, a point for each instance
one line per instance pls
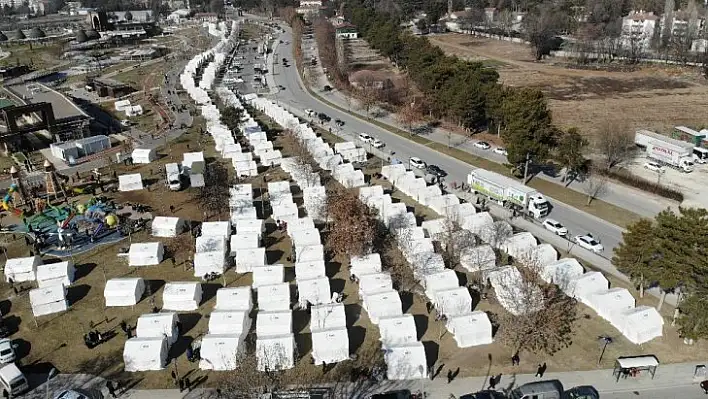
(281, 225)
(93, 339)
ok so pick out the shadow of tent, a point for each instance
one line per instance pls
(84, 270)
(303, 341)
(180, 346)
(406, 300)
(352, 312)
(209, 291)
(274, 255)
(152, 286)
(421, 324)
(301, 318)
(188, 321)
(77, 292)
(336, 285)
(432, 350)
(289, 275)
(5, 306)
(357, 335)
(332, 268)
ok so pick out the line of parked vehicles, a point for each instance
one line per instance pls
(551, 389)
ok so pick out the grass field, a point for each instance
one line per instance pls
(40, 56)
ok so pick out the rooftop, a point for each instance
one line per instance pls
(37, 93)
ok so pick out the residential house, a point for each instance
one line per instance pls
(638, 28)
(491, 15)
(206, 17)
(346, 31)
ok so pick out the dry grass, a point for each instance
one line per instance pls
(650, 97)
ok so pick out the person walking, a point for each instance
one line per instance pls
(541, 370)
(111, 389)
(515, 360)
(187, 384)
(492, 383)
(180, 382)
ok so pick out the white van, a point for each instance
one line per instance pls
(173, 176)
(12, 380)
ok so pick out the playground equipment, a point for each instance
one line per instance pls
(7, 201)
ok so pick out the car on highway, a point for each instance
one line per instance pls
(376, 143)
(501, 151)
(589, 242)
(555, 227)
(436, 171)
(7, 351)
(339, 122)
(654, 167)
(323, 117)
(365, 138)
(417, 163)
(482, 145)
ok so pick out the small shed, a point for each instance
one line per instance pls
(48, 300)
(22, 269)
(125, 291)
(167, 226)
(182, 296)
(470, 329)
(234, 298)
(274, 297)
(55, 273)
(145, 354)
(220, 351)
(158, 325)
(397, 330)
(143, 155)
(131, 182)
(145, 254)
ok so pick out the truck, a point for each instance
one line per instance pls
(508, 192)
(666, 151)
(173, 176)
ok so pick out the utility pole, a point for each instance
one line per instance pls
(526, 167)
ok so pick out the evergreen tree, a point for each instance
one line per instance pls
(635, 255)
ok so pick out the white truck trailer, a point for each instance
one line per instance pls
(173, 176)
(667, 151)
(508, 192)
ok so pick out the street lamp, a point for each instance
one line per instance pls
(604, 340)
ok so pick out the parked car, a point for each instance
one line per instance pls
(7, 351)
(589, 242)
(654, 167)
(435, 170)
(486, 394)
(323, 117)
(339, 122)
(482, 145)
(285, 60)
(581, 392)
(417, 163)
(555, 226)
(501, 151)
(365, 138)
(71, 394)
(376, 143)
(328, 88)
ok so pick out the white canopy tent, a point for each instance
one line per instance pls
(234, 298)
(48, 300)
(330, 346)
(444, 280)
(193, 162)
(252, 226)
(509, 289)
(167, 226)
(582, 287)
(243, 213)
(562, 272)
(220, 351)
(497, 233)
(145, 354)
(406, 362)
(209, 262)
(611, 304)
(143, 155)
(229, 322)
(315, 291)
(363, 265)
(217, 229)
(145, 254)
(274, 323)
(304, 238)
(248, 259)
(310, 270)
(470, 329)
(397, 330)
(275, 352)
(453, 302)
(479, 258)
(126, 291)
(211, 244)
(22, 269)
(309, 253)
(383, 304)
(132, 182)
(477, 223)
(641, 324)
(182, 296)
(373, 283)
(55, 273)
(268, 275)
(158, 325)
(519, 245)
(274, 297)
(327, 316)
(540, 256)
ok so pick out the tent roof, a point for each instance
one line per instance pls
(145, 247)
(52, 293)
(454, 301)
(444, 280)
(373, 283)
(367, 264)
(122, 286)
(228, 322)
(274, 297)
(268, 274)
(310, 269)
(406, 362)
(220, 229)
(165, 222)
(274, 323)
(326, 316)
(398, 330)
(181, 289)
(211, 244)
(234, 298)
(50, 271)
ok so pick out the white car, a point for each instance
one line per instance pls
(365, 138)
(482, 145)
(376, 143)
(125, 122)
(417, 163)
(7, 351)
(501, 151)
(589, 242)
(654, 167)
(555, 226)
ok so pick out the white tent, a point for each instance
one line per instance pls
(611, 304)
(220, 351)
(193, 162)
(211, 244)
(479, 258)
(158, 325)
(373, 283)
(248, 259)
(397, 330)
(130, 182)
(55, 273)
(182, 296)
(145, 354)
(327, 316)
(582, 287)
(268, 275)
(497, 233)
(22, 269)
(126, 291)
(300, 224)
(218, 229)
(274, 323)
(234, 298)
(274, 297)
(562, 272)
(391, 172)
(453, 302)
(167, 226)
(275, 352)
(243, 213)
(330, 346)
(477, 223)
(406, 362)
(304, 238)
(363, 265)
(510, 291)
(229, 322)
(310, 270)
(145, 254)
(143, 155)
(641, 324)
(209, 262)
(519, 245)
(309, 253)
(383, 304)
(540, 256)
(444, 280)
(48, 300)
(315, 291)
(470, 329)
(250, 226)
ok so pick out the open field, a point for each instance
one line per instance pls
(40, 56)
(650, 97)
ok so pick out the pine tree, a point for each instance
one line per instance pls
(635, 255)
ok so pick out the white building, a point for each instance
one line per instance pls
(638, 27)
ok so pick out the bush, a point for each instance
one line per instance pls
(624, 176)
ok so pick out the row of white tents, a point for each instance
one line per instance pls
(212, 248)
(52, 279)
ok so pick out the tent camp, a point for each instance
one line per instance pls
(452, 302)
(373, 283)
(145, 254)
(229, 322)
(209, 262)
(143, 155)
(383, 304)
(330, 346)
(275, 352)
(182, 296)
(130, 182)
(167, 226)
(55, 273)
(641, 324)
(220, 351)
(562, 272)
(470, 329)
(274, 297)
(363, 265)
(315, 291)
(274, 323)
(397, 330)
(145, 354)
(217, 229)
(327, 316)
(48, 300)
(406, 362)
(247, 259)
(126, 291)
(158, 325)
(22, 269)
(268, 275)
(611, 304)
(310, 270)
(582, 287)
(234, 298)
(479, 258)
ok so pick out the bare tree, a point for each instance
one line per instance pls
(454, 240)
(615, 142)
(542, 24)
(505, 22)
(407, 115)
(368, 93)
(352, 227)
(635, 46)
(214, 195)
(595, 186)
(496, 234)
